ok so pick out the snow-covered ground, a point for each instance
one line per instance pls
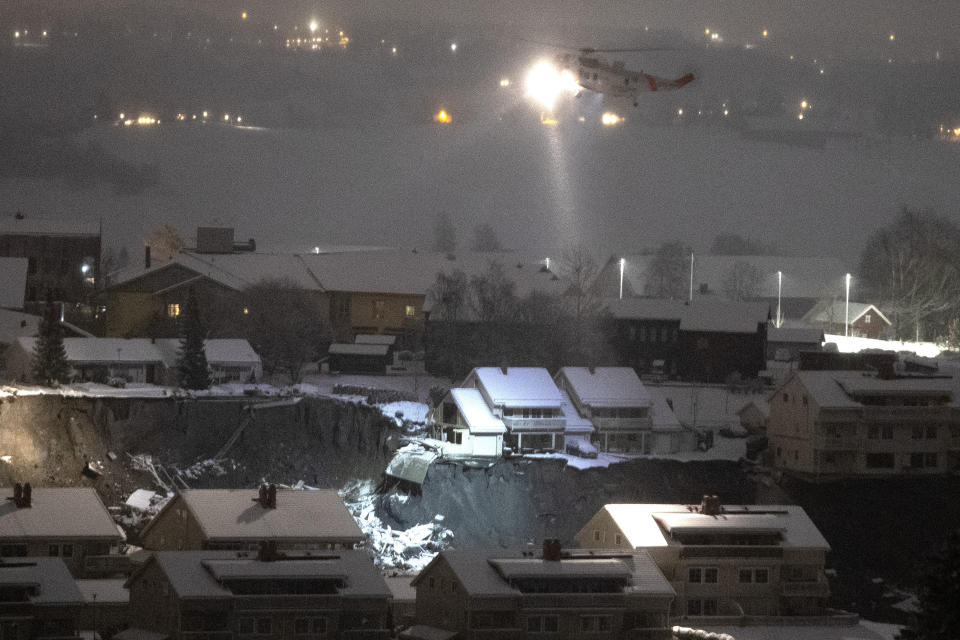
(865, 630)
(723, 449)
(850, 344)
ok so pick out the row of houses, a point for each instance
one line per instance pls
(277, 564)
(526, 409)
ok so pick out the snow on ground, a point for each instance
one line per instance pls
(723, 449)
(419, 385)
(865, 630)
(702, 405)
(850, 344)
(905, 600)
(407, 551)
(415, 412)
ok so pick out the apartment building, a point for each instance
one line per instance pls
(825, 424)
(563, 594)
(241, 518)
(723, 560)
(68, 523)
(220, 595)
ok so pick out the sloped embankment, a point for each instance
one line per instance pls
(324, 442)
(517, 501)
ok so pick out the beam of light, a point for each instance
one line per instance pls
(545, 83)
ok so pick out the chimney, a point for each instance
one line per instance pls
(262, 496)
(552, 549)
(503, 369)
(146, 257)
(267, 551)
(710, 505)
(22, 496)
(272, 496)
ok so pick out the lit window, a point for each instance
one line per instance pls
(866, 318)
(410, 311)
(173, 310)
(246, 311)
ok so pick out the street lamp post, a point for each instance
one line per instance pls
(779, 291)
(622, 263)
(846, 321)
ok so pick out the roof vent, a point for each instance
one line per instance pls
(22, 496)
(267, 496)
(552, 549)
(710, 505)
(267, 551)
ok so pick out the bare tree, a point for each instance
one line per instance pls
(444, 234)
(492, 297)
(450, 293)
(165, 243)
(285, 325)
(485, 238)
(667, 271)
(911, 267)
(731, 244)
(742, 281)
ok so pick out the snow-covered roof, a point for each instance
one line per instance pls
(575, 423)
(759, 403)
(358, 349)
(824, 388)
(793, 335)
(836, 312)
(144, 350)
(703, 313)
(55, 585)
(14, 324)
(803, 277)
(374, 338)
(67, 513)
(194, 574)
(661, 415)
(104, 590)
(519, 386)
(606, 386)
(519, 568)
(68, 225)
(13, 284)
(651, 525)
(871, 385)
(232, 514)
(476, 413)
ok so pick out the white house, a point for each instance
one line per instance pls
(140, 360)
(626, 415)
(466, 426)
(527, 401)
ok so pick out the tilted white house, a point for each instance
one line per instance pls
(466, 426)
(527, 401)
(625, 414)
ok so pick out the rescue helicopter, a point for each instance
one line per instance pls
(614, 79)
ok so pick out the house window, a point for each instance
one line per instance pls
(757, 576)
(930, 460)
(761, 576)
(432, 583)
(543, 624)
(245, 626)
(916, 460)
(866, 319)
(66, 551)
(931, 432)
(453, 587)
(619, 539)
(410, 311)
(917, 433)
(596, 535)
(594, 624)
(264, 625)
(880, 461)
(702, 575)
(54, 550)
(173, 310)
(786, 397)
(806, 401)
(301, 626)
(873, 432)
(887, 432)
(955, 431)
(706, 607)
(13, 550)
(378, 306)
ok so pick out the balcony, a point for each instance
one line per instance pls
(921, 415)
(622, 424)
(106, 565)
(572, 601)
(818, 589)
(719, 551)
(495, 634)
(829, 443)
(535, 424)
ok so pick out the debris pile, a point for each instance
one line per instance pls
(406, 551)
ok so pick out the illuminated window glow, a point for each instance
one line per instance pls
(173, 310)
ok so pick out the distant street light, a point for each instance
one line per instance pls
(779, 292)
(622, 264)
(846, 327)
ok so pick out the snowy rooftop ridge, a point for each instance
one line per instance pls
(475, 411)
(145, 350)
(606, 386)
(518, 386)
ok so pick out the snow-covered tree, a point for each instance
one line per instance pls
(742, 281)
(485, 238)
(444, 234)
(192, 369)
(50, 366)
(939, 615)
(667, 272)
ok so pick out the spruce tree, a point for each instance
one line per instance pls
(192, 372)
(50, 366)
